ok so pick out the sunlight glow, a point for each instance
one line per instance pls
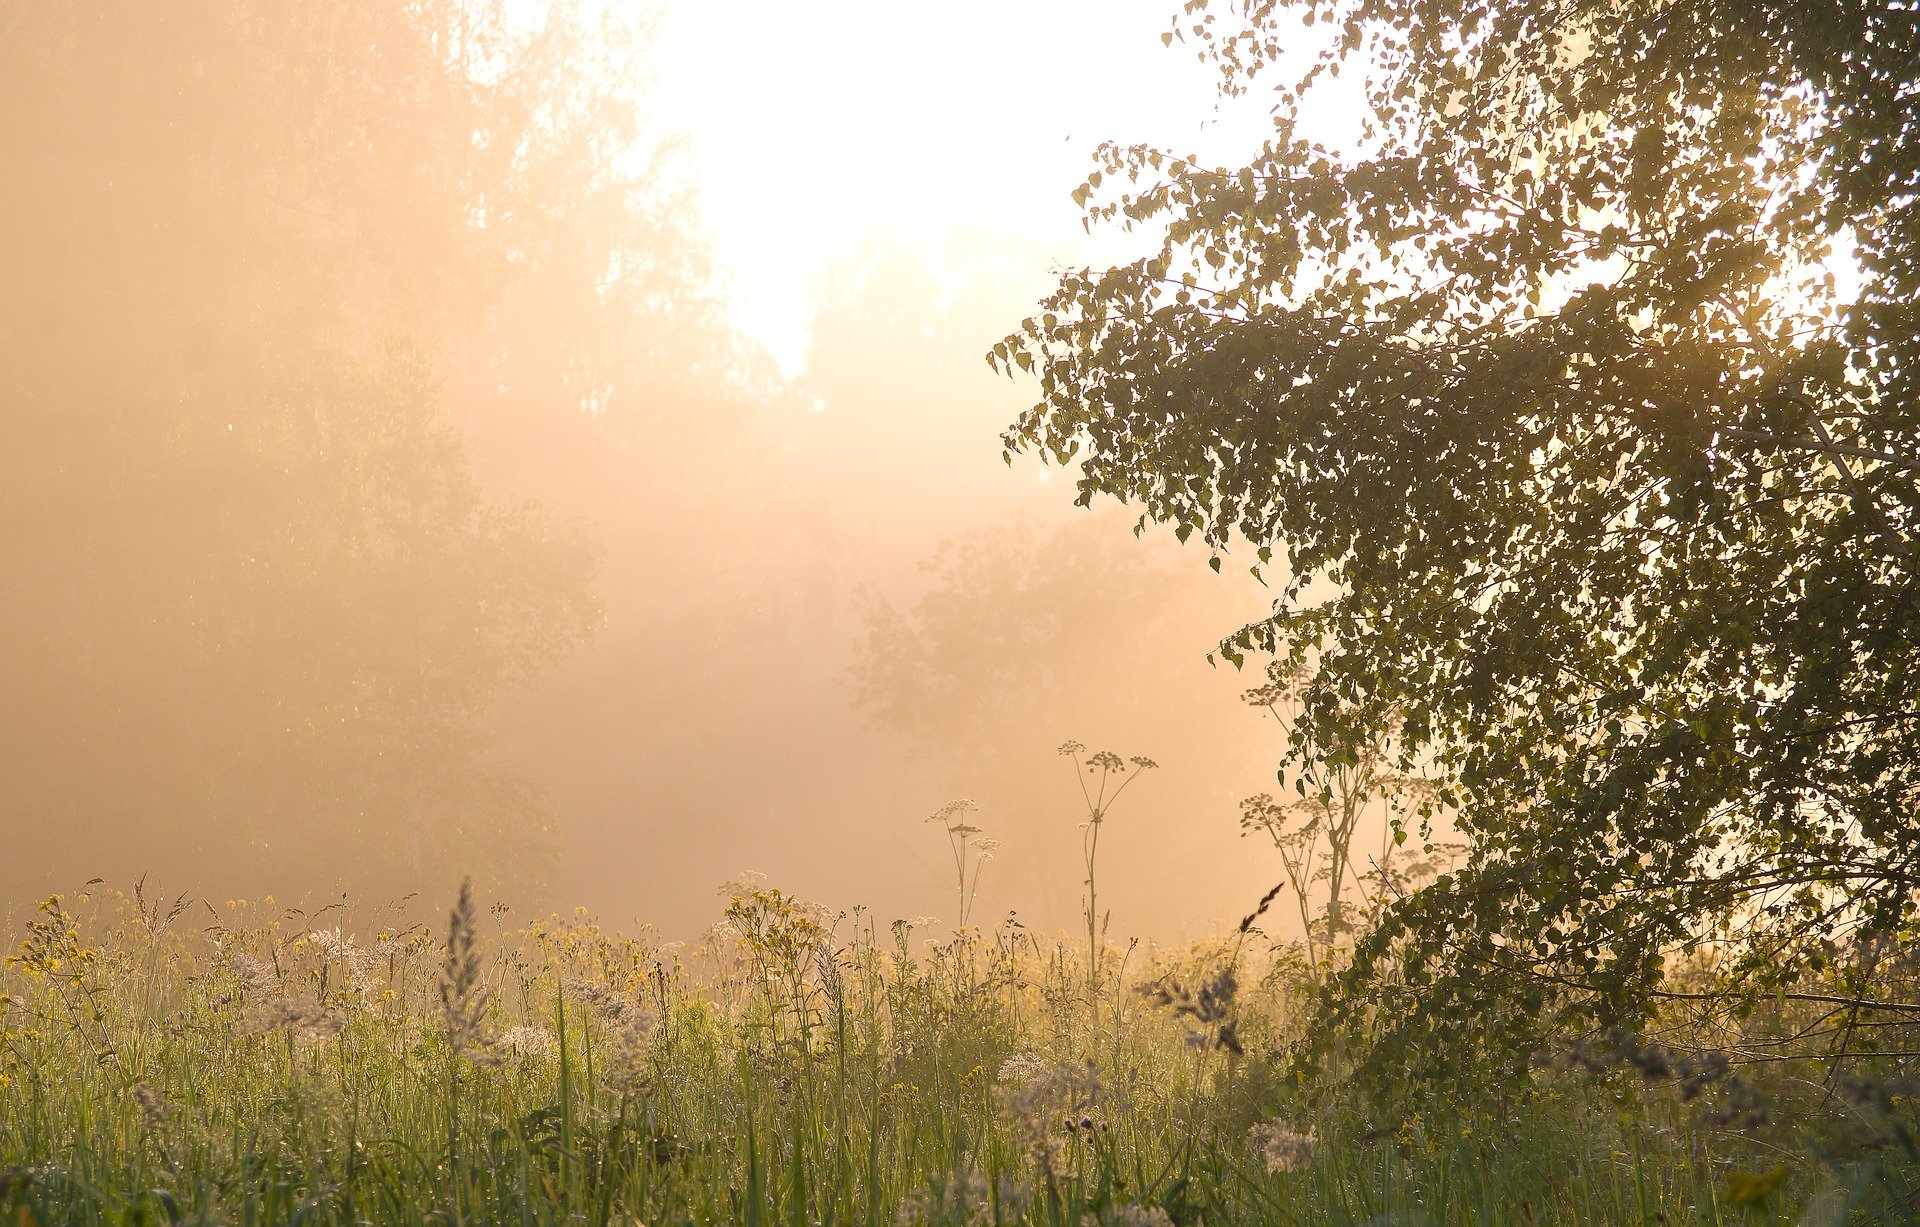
(817, 129)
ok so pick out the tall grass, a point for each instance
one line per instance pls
(246, 1064)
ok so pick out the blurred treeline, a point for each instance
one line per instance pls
(360, 364)
(269, 266)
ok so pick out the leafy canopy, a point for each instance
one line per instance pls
(1579, 457)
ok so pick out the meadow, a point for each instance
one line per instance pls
(185, 1061)
(405, 479)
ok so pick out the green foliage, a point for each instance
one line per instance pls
(1580, 472)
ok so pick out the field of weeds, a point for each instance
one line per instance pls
(236, 1063)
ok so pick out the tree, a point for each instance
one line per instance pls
(1576, 458)
(259, 606)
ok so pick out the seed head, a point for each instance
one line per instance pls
(463, 999)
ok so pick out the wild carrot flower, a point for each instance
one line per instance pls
(1044, 1102)
(964, 1197)
(526, 1042)
(626, 1052)
(1281, 1148)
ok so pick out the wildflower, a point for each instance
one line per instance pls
(52, 946)
(967, 847)
(266, 1007)
(526, 1042)
(1280, 1148)
(778, 930)
(277, 1013)
(744, 886)
(626, 1051)
(951, 814)
(1043, 1101)
(964, 1197)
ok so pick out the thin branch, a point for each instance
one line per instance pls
(1823, 444)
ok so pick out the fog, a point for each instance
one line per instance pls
(422, 463)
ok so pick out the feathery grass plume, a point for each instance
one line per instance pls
(258, 979)
(157, 916)
(463, 999)
(307, 1020)
(1205, 1011)
(1266, 901)
(358, 962)
(1280, 1147)
(266, 1007)
(1141, 1216)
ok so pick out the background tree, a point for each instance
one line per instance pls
(1019, 633)
(260, 607)
(1549, 400)
(1009, 636)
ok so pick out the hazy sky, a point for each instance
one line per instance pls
(814, 128)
